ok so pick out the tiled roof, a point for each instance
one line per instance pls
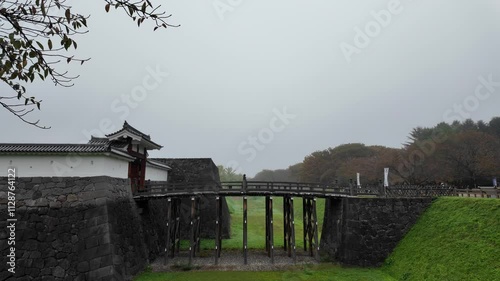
(51, 148)
(98, 141)
(107, 142)
(95, 145)
(126, 126)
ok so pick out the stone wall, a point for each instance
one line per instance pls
(73, 229)
(200, 171)
(364, 231)
(154, 223)
(191, 170)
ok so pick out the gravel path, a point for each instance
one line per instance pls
(232, 260)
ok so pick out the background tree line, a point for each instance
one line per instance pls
(462, 153)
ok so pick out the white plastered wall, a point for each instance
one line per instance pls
(64, 165)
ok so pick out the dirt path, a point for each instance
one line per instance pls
(232, 260)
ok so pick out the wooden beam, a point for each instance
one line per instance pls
(198, 225)
(245, 228)
(316, 240)
(217, 229)
(285, 222)
(169, 224)
(304, 222)
(267, 225)
(177, 242)
(271, 232)
(191, 236)
(292, 232)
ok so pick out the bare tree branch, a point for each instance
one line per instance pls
(37, 36)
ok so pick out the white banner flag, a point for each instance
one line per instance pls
(357, 180)
(386, 177)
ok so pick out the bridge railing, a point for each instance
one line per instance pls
(419, 191)
(166, 188)
(304, 189)
(263, 187)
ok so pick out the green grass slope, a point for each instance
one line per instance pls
(455, 239)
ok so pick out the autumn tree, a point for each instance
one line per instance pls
(323, 166)
(460, 152)
(37, 37)
(473, 157)
(370, 167)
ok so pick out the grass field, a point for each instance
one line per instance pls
(257, 223)
(455, 239)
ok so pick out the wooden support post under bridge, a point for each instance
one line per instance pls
(172, 239)
(194, 243)
(245, 229)
(269, 228)
(289, 227)
(311, 227)
(169, 226)
(218, 228)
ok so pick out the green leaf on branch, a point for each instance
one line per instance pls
(40, 45)
(68, 15)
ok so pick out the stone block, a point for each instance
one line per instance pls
(106, 260)
(61, 184)
(38, 263)
(101, 201)
(95, 263)
(91, 242)
(88, 187)
(102, 186)
(41, 202)
(65, 264)
(88, 254)
(50, 262)
(105, 239)
(55, 205)
(103, 250)
(83, 267)
(58, 272)
(102, 273)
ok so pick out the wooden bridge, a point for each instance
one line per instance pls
(173, 192)
(294, 189)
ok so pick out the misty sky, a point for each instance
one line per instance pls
(261, 84)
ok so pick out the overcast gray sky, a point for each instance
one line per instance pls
(261, 84)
